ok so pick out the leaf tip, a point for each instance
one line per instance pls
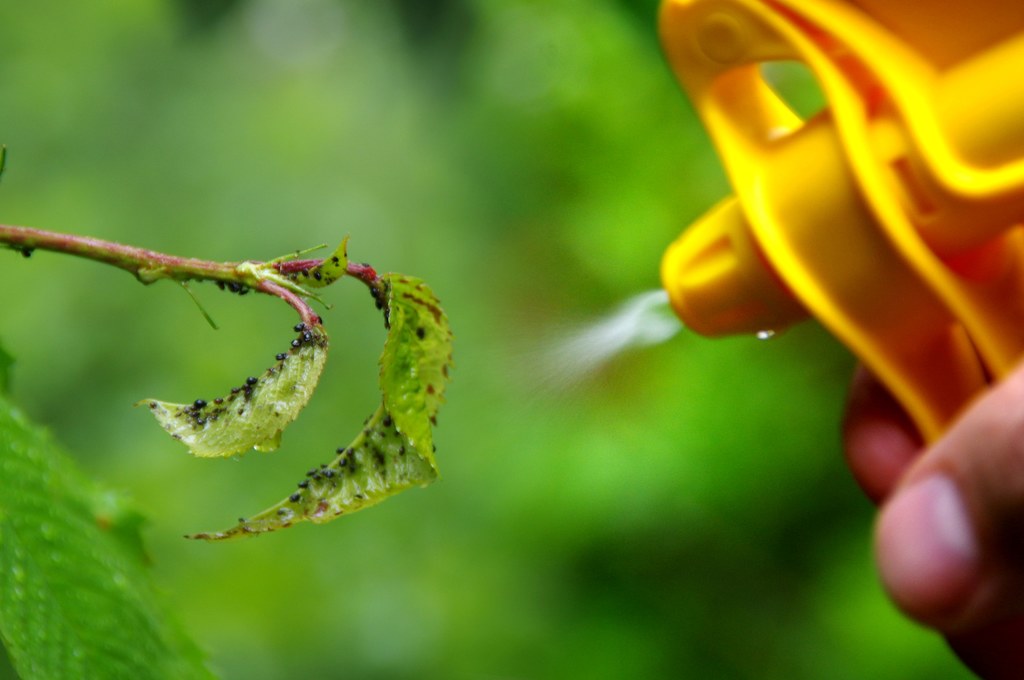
(254, 414)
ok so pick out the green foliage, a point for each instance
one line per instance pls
(253, 415)
(416, 359)
(76, 595)
(378, 464)
(395, 449)
(684, 513)
(332, 268)
(5, 368)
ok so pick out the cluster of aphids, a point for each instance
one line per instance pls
(319, 273)
(325, 474)
(321, 474)
(233, 287)
(200, 412)
(380, 300)
(369, 451)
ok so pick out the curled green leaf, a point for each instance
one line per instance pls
(380, 463)
(416, 358)
(331, 269)
(253, 415)
(395, 449)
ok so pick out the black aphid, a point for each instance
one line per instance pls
(294, 498)
(299, 327)
(304, 484)
(251, 380)
(282, 356)
(296, 343)
(199, 403)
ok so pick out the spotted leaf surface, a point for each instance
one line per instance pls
(254, 414)
(327, 272)
(380, 463)
(331, 269)
(416, 359)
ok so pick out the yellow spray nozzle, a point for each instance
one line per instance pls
(720, 284)
(893, 215)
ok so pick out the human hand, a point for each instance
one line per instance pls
(949, 539)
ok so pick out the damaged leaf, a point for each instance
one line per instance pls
(395, 450)
(252, 415)
(380, 463)
(331, 269)
(416, 359)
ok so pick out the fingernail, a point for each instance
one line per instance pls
(927, 550)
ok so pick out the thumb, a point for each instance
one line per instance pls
(950, 539)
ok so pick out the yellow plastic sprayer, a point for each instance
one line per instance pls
(892, 216)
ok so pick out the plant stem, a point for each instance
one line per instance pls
(306, 313)
(148, 265)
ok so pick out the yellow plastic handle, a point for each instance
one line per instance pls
(891, 216)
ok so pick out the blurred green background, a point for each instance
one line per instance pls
(681, 513)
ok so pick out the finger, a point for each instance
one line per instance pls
(950, 542)
(879, 440)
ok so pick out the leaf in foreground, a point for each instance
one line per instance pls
(395, 450)
(253, 415)
(76, 599)
(5, 367)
